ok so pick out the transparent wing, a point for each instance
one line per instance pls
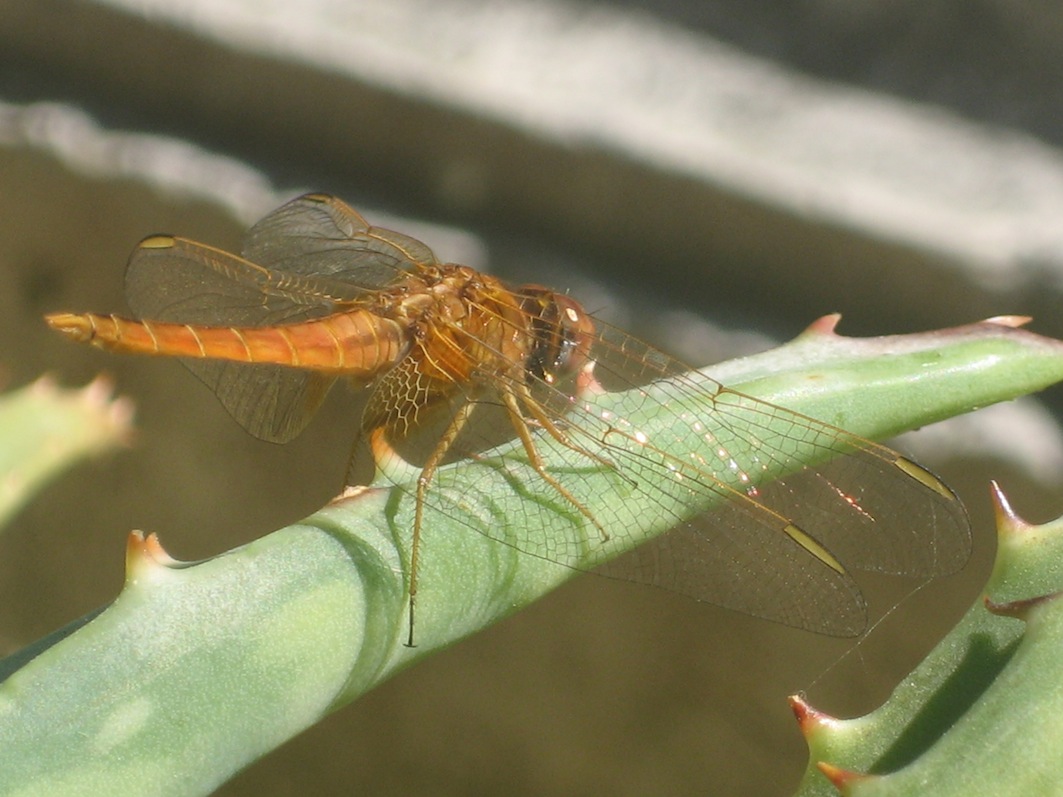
(272, 402)
(744, 554)
(869, 508)
(747, 564)
(180, 281)
(320, 236)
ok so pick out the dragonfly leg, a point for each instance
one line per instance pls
(520, 425)
(554, 428)
(424, 481)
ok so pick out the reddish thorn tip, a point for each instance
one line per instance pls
(1020, 610)
(809, 719)
(824, 325)
(1013, 321)
(840, 778)
(1007, 519)
(351, 493)
(145, 550)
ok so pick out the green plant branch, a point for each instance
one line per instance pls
(197, 669)
(45, 429)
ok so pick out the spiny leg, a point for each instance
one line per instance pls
(520, 425)
(543, 421)
(424, 480)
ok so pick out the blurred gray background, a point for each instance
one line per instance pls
(713, 175)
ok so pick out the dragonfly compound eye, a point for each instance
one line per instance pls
(561, 334)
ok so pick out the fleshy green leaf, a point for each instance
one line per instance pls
(44, 429)
(981, 714)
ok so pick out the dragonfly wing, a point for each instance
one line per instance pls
(750, 567)
(770, 509)
(783, 550)
(873, 509)
(181, 281)
(320, 236)
(272, 402)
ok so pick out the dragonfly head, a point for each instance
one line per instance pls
(561, 333)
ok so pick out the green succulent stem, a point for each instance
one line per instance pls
(980, 714)
(45, 429)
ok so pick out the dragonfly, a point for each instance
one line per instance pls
(455, 364)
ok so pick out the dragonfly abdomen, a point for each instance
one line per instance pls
(356, 343)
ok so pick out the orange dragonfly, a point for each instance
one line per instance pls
(455, 363)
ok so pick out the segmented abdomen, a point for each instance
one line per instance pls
(357, 343)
